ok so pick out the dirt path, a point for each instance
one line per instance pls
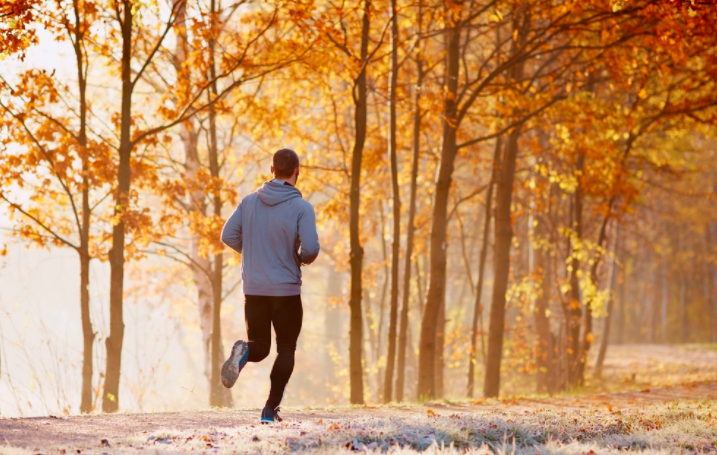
(55, 434)
(654, 365)
(642, 370)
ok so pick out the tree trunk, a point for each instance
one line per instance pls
(371, 346)
(478, 307)
(110, 400)
(544, 344)
(201, 266)
(501, 267)
(683, 307)
(712, 277)
(706, 276)
(375, 337)
(574, 310)
(586, 339)
(356, 335)
(438, 357)
(608, 317)
(652, 314)
(218, 394)
(620, 323)
(391, 357)
(503, 227)
(420, 285)
(88, 336)
(333, 326)
(204, 304)
(664, 300)
(437, 280)
(403, 336)
(684, 292)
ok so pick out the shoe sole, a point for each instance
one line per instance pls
(265, 420)
(230, 369)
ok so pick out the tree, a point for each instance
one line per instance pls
(359, 63)
(360, 100)
(19, 34)
(396, 198)
(459, 101)
(436, 289)
(478, 306)
(189, 102)
(411, 228)
(59, 144)
(206, 178)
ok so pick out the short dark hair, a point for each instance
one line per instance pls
(285, 162)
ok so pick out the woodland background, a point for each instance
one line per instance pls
(503, 189)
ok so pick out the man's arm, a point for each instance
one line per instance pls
(231, 234)
(308, 236)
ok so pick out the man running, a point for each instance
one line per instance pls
(274, 229)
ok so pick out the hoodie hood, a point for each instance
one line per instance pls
(272, 193)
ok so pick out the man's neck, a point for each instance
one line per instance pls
(284, 182)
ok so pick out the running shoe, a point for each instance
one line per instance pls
(269, 415)
(235, 363)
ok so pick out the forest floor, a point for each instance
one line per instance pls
(656, 400)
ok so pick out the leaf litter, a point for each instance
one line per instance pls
(606, 424)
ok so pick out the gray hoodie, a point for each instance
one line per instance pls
(274, 229)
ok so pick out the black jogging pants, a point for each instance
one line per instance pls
(285, 314)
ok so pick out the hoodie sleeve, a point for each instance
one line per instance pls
(231, 234)
(308, 236)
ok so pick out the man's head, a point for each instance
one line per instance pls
(285, 165)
